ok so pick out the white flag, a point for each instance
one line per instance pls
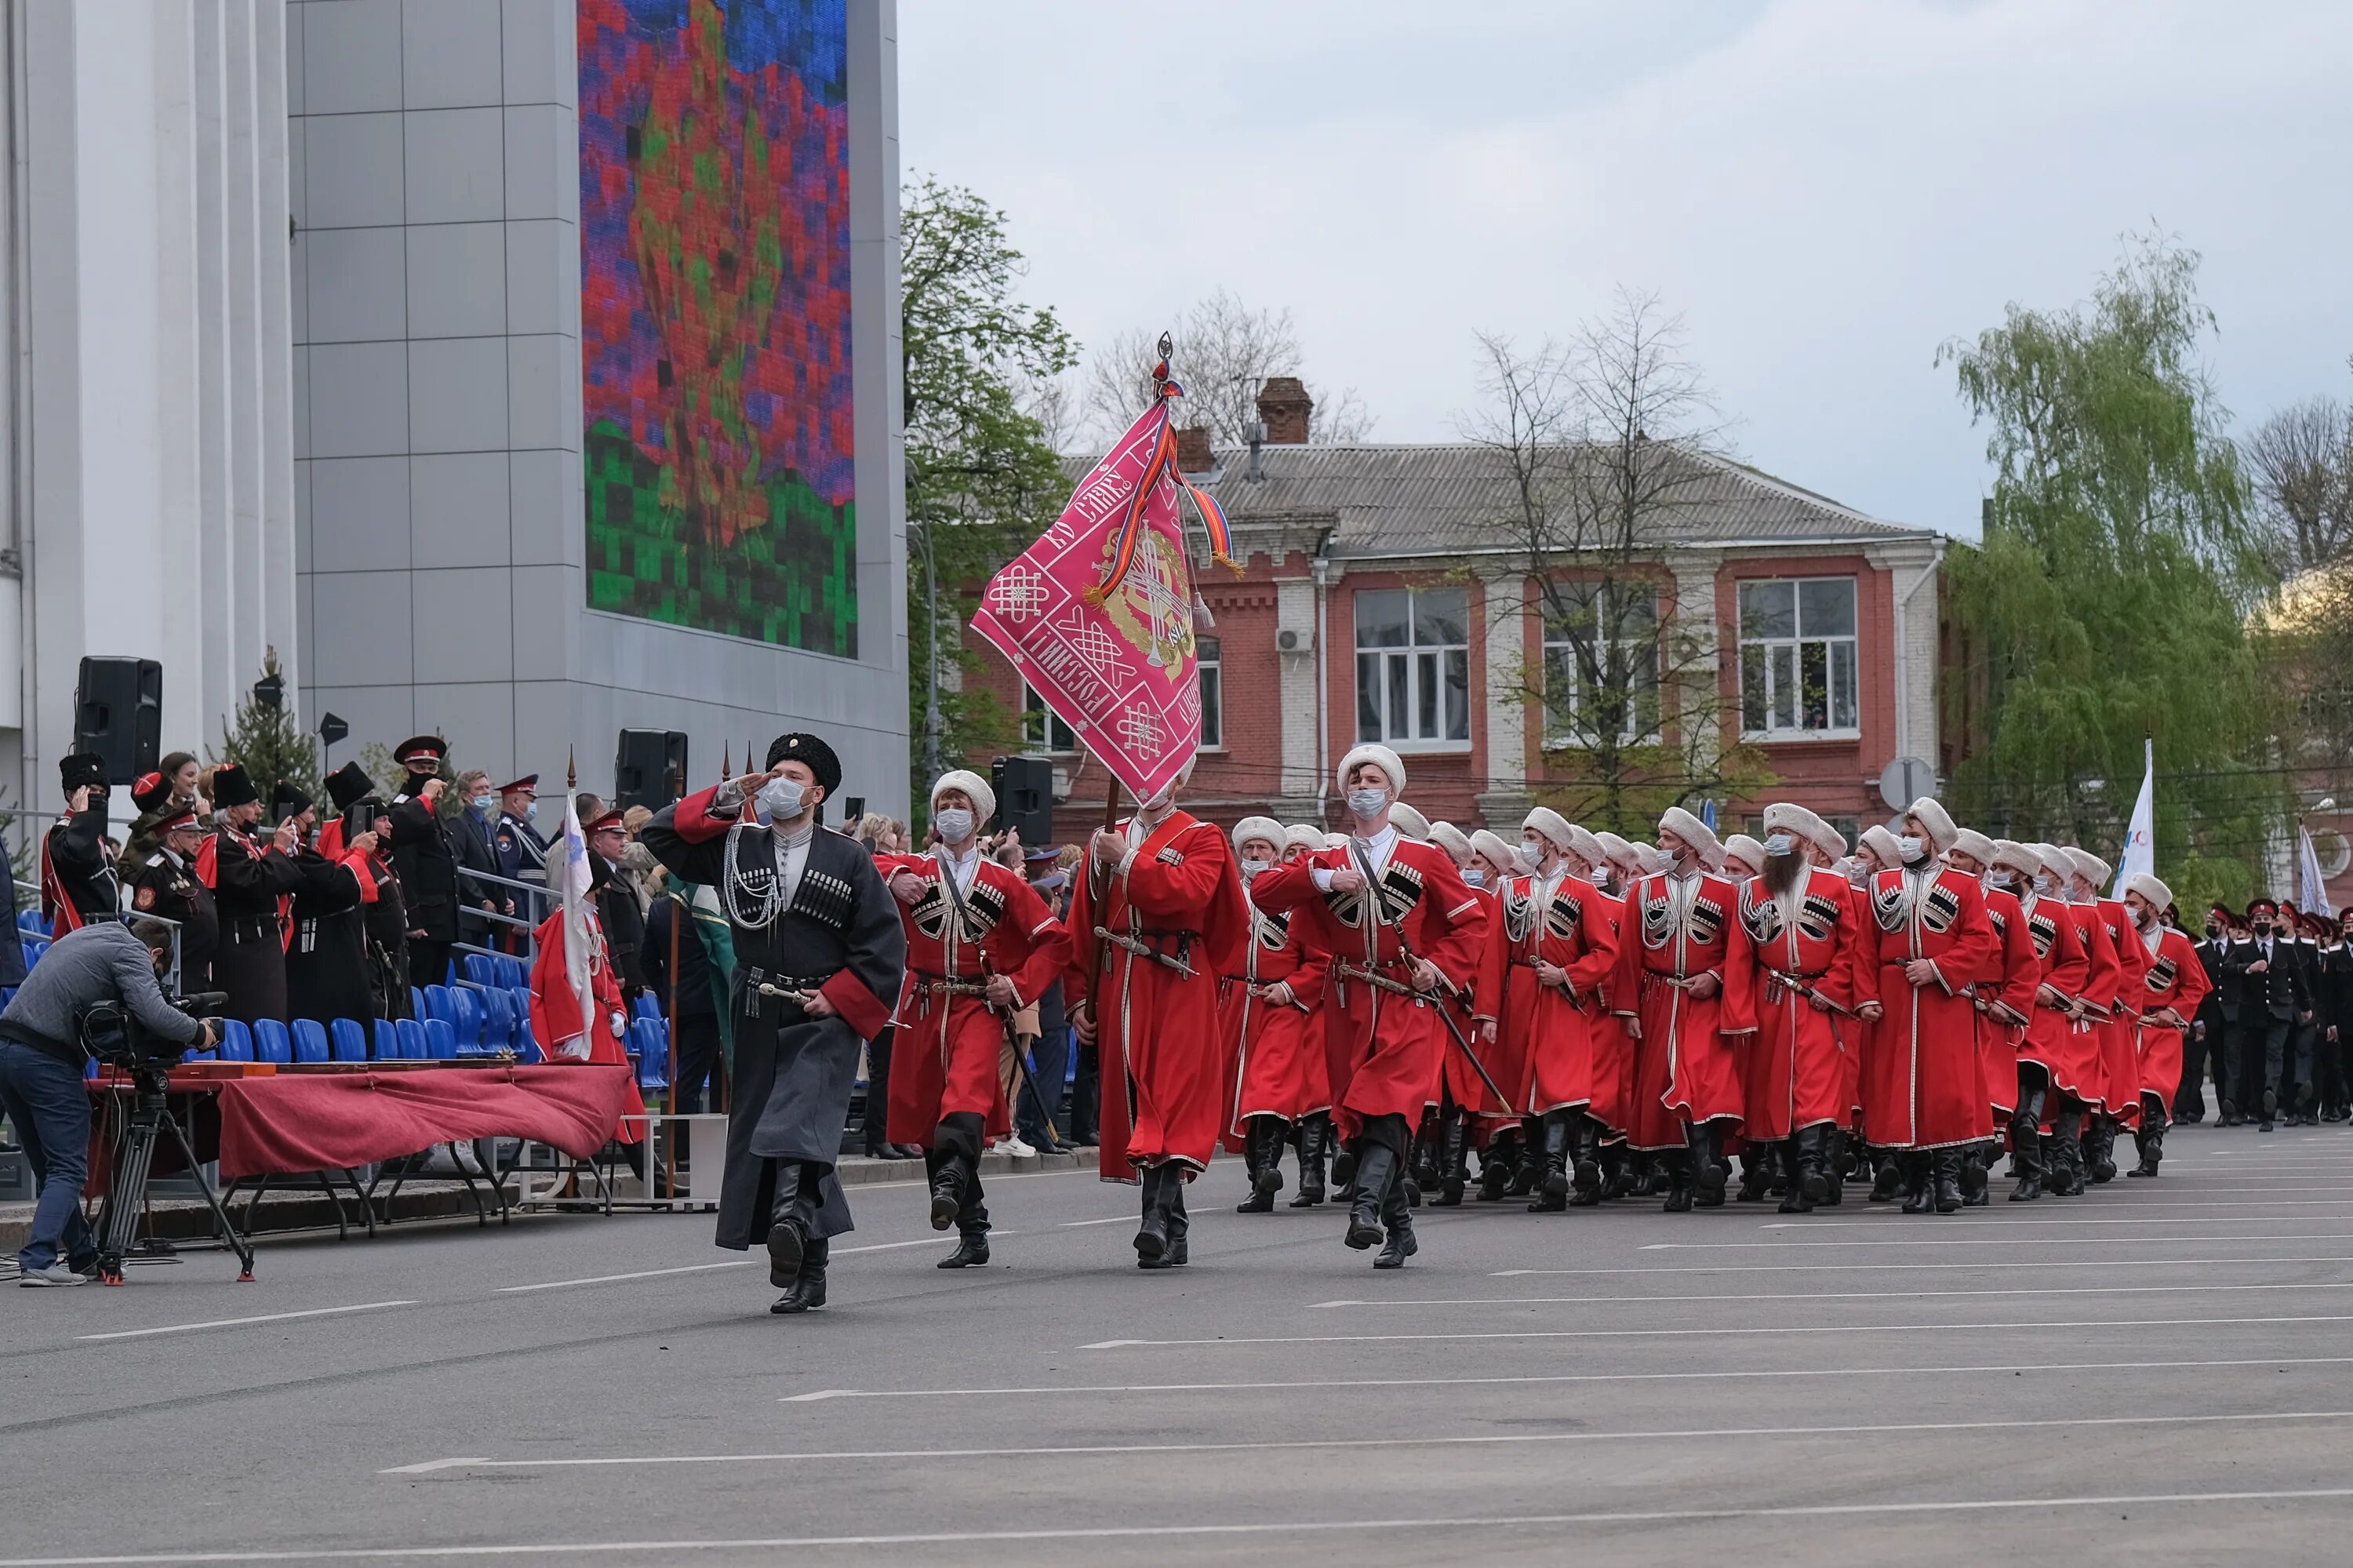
(579, 925)
(2311, 887)
(2140, 838)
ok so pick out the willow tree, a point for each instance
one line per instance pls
(2108, 598)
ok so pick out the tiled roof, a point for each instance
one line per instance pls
(1389, 500)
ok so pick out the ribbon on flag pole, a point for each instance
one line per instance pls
(2311, 887)
(1097, 616)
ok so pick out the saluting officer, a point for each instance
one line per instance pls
(78, 884)
(427, 864)
(248, 877)
(168, 885)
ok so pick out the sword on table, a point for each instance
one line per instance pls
(1373, 905)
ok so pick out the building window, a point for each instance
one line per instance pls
(1413, 668)
(1604, 650)
(1213, 694)
(1043, 732)
(1798, 658)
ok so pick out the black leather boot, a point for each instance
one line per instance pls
(2151, 1143)
(1887, 1179)
(807, 1292)
(1834, 1155)
(1427, 1139)
(1974, 1182)
(1398, 1243)
(1262, 1157)
(1585, 1163)
(1945, 1179)
(1709, 1173)
(1756, 1172)
(1152, 1234)
(1315, 1133)
(1617, 1171)
(791, 1216)
(1551, 1186)
(2026, 1154)
(2100, 1157)
(2063, 1157)
(1915, 1166)
(971, 1251)
(1454, 1160)
(947, 1185)
(1344, 1168)
(1496, 1163)
(1377, 1170)
(1647, 1175)
(1529, 1168)
(1676, 1165)
(1174, 1220)
(1804, 1158)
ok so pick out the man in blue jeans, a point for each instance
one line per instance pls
(41, 1063)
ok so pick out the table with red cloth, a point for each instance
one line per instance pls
(289, 1123)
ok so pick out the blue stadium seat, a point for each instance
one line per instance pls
(271, 1043)
(387, 1041)
(646, 1006)
(481, 968)
(412, 1040)
(236, 1041)
(310, 1041)
(437, 1003)
(466, 1021)
(498, 1020)
(653, 1054)
(350, 1039)
(33, 947)
(440, 1040)
(512, 975)
(416, 1001)
(527, 1048)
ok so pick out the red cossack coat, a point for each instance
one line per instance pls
(1922, 1086)
(2006, 1007)
(2119, 1049)
(1385, 1046)
(2174, 979)
(1177, 919)
(1277, 1054)
(1571, 930)
(1810, 972)
(1677, 928)
(943, 1058)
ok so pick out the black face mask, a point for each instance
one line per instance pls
(2213, 928)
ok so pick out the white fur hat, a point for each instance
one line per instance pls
(1387, 761)
(2016, 856)
(1652, 860)
(1586, 846)
(1301, 835)
(1974, 844)
(2149, 887)
(984, 799)
(1548, 822)
(2054, 860)
(1335, 841)
(1409, 822)
(1619, 851)
(1451, 839)
(1788, 817)
(1492, 844)
(1883, 844)
(2090, 867)
(1934, 821)
(1265, 828)
(1746, 850)
(1687, 827)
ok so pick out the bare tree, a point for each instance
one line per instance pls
(2302, 460)
(1603, 448)
(1224, 353)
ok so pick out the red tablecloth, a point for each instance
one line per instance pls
(332, 1121)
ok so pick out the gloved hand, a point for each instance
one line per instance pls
(619, 1022)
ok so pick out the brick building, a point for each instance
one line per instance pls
(1365, 613)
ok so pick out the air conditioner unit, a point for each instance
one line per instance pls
(1290, 642)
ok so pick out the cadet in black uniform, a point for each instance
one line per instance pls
(168, 885)
(247, 878)
(384, 920)
(428, 863)
(623, 917)
(78, 886)
(326, 958)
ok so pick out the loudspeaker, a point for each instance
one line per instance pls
(119, 715)
(649, 770)
(1025, 798)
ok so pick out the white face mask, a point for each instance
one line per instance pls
(780, 799)
(954, 823)
(1475, 876)
(1163, 801)
(1367, 803)
(1779, 843)
(1908, 846)
(1998, 877)
(483, 803)
(1252, 868)
(2042, 883)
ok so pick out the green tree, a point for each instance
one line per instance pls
(2109, 597)
(267, 740)
(983, 479)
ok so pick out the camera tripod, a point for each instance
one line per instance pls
(126, 1191)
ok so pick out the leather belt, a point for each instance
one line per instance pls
(1137, 948)
(754, 1004)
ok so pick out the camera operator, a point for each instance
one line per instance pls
(41, 1086)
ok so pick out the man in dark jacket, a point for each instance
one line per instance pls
(2203, 1053)
(326, 960)
(78, 884)
(2272, 999)
(168, 885)
(427, 861)
(247, 877)
(624, 919)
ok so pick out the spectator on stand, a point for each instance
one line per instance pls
(427, 861)
(469, 838)
(248, 875)
(78, 877)
(151, 795)
(684, 929)
(326, 957)
(624, 919)
(168, 886)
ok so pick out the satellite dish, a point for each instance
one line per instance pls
(1904, 780)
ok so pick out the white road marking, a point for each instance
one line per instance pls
(1963, 1241)
(729, 1263)
(1478, 1440)
(242, 1323)
(1913, 1328)
(817, 1396)
(1946, 1223)
(1893, 1214)
(1074, 1225)
(1817, 1267)
(1162, 1531)
(1744, 1298)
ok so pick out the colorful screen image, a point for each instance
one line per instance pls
(716, 386)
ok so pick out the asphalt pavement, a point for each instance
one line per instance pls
(2158, 1373)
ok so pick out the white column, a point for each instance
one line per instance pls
(176, 548)
(195, 700)
(1505, 800)
(274, 432)
(249, 549)
(1692, 642)
(1295, 616)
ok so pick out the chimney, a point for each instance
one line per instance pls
(1193, 453)
(1284, 404)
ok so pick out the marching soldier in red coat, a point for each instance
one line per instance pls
(1804, 924)
(1265, 1008)
(1625, 1172)
(2005, 1007)
(2056, 1043)
(2173, 982)
(1923, 1092)
(1571, 958)
(1464, 1106)
(1159, 915)
(981, 945)
(2120, 1054)
(2081, 1082)
(1404, 932)
(1686, 986)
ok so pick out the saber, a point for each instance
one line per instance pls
(1374, 902)
(800, 999)
(1022, 1063)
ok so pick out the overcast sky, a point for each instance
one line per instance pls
(1825, 191)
